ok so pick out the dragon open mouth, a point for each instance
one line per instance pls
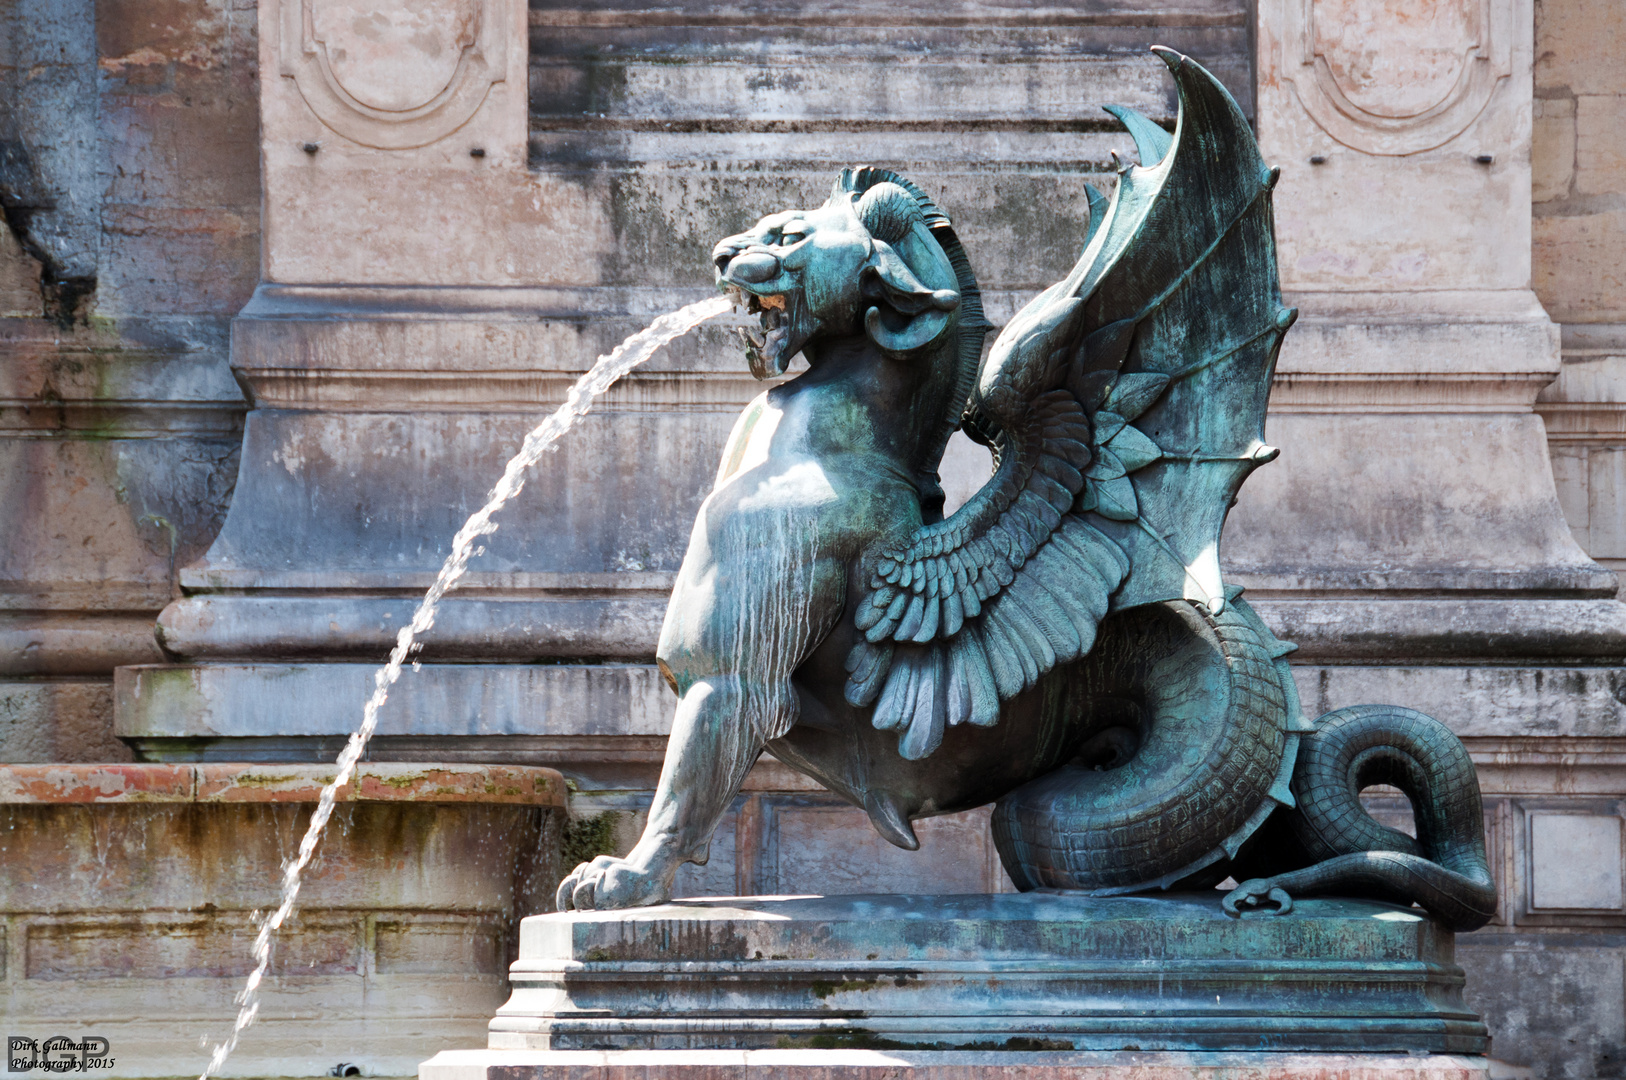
(767, 351)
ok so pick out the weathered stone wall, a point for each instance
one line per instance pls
(129, 181)
(1578, 230)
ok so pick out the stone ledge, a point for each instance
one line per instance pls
(256, 783)
(1038, 970)
(571, 714)
(938, 1065)
(76, 643)
(619, 619)
(624, 625)
(1443, 629)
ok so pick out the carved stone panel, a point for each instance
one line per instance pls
(1399, 76)
(393, 74)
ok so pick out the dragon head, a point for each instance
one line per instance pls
(866, 262)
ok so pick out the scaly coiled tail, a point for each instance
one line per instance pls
(1188, 748)
(1444, 870)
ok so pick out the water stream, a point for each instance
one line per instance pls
(604, 372)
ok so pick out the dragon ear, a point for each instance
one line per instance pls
(905, 314)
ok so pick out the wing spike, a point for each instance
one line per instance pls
(1170, 57)
(1151, 141)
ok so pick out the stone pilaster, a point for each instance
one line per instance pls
(1410, 537)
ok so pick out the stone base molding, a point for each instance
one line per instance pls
(938, 1065)
(1038, 970)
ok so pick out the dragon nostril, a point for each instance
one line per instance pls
(754, 267)
(725, 251)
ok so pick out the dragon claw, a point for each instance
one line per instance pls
(1253, 893)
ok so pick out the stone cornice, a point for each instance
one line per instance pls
(348, 348)
(1587, 403)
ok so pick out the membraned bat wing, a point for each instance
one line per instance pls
(1124, 405)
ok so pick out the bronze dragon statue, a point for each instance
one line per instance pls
(1063, 644)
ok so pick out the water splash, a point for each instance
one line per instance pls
(604, 372)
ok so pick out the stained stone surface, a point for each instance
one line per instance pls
(131, 895)
(1033, 971)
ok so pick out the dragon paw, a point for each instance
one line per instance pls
(608, 882)
(1253, 892)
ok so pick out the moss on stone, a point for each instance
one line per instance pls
(589, 837)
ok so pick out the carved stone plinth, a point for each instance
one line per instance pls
(1034, 971)
(937, 1065)
(132, 894)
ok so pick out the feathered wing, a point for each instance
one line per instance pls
(1124, 406)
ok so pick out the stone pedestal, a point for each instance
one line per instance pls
(130, 896)
(1007, 972)
(938, 1065)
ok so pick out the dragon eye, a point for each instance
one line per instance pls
(793, 232)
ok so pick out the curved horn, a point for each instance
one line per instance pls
(922, 331)
(888, 281)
